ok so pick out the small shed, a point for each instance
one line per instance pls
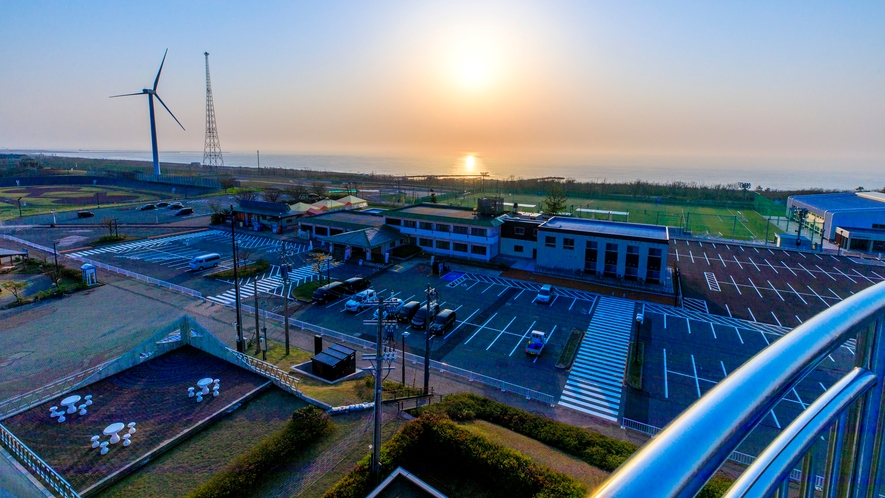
(334, 362)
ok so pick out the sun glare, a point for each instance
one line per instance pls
(469, 162)
(473, 73)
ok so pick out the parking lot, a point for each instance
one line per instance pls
(767, 285)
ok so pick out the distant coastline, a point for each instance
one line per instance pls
(785, 177)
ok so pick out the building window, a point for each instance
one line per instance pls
(518, 231)
(550, 241)
(481, 250)
(322, 231)
(654, 251)
(534, 232)
(459, 247)
(394, 221)
(408, 223)
(442, 244)
(443, 228)
(517, 249)
(425, 242)
(568, 244)
(461, 230)
(425, 225)
(479, 232)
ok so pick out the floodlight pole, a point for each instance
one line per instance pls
(233, 241)
(55, 253)
(405, 334)
(431, 293)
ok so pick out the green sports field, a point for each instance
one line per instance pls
(42, 199)
(712, 221)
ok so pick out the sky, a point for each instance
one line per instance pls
(634, 82)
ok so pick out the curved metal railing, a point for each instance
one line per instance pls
(681, 458)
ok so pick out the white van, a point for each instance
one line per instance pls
(544, 294)
(205, 261)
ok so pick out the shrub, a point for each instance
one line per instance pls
(239, 476)
(70, 274)
(455, 451)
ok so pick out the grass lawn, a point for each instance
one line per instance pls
(249, 270)
(702, 220)
(305, 291)
(191, 463)
(42, 199)
(540, 453)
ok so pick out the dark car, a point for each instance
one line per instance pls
(421, 314)
(329, 292)
(147, 207)
(184, 212)
(176, 205)
(85, 214)
(355, 284)
(407, 311)
(444, 321)
(162, 204)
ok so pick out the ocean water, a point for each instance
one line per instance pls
(769, 173)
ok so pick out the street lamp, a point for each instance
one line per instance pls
(431, 295)
(97, 200)
(405, 334)
(19, 207)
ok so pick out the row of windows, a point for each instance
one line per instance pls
(445, 245)
(521, 231)
(439, 227)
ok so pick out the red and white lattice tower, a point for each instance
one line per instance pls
(212, 149)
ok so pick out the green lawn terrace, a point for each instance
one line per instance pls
(149, 386)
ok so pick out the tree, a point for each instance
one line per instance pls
(272, 194)
(228, 182)
(432, 196)
(296, 192)
(555, 201)
(110, 224)
(245, 194)
(14, 287)
(319, 189)
(321, 262)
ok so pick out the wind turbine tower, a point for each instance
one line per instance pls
(212, 148)
(151, 93)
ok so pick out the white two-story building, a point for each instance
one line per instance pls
(448, 230)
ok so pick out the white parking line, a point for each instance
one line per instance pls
(461, 324)
(764, 337)
(797, 318)
(523, 337)
(487, 288)
(751, 314)
(834, 293)
(713, 329)
(738, 332)
(706, 258)
(573, 303)
(503, 291)
(480, 328)
(677, 255)
(735, 284)
(778, 424)
(771, 266)
(500, 334)
(797, 294)
(754, 263)
(554, 300)
(861, 275)
(803, 256)
(775, 319)
(728, 311)
(754, 287)
(845, 275)
(692, 256)
(723, 261)
(775, 290)
(696, 381)
(724, 372)
(825, 273)
(738, 262)
(666, 389)
(788, 268)
(517, 296)
(806, 269)
(818, 296)
(471, 285)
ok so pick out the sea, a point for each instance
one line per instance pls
(776, 174)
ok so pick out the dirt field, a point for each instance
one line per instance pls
(40, 199)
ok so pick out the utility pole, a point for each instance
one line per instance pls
(405, 334)
(381, 355)
(233, 241)
(55, 253)
(212, 148)
(257, 328)
(431, 294)
(767, 226)
(285, 270)
(20, 207)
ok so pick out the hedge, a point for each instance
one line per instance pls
(600, 451)
(245, 471)
(440, 443)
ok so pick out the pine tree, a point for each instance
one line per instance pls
(555, 202)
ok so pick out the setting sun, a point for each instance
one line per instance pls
(473, 73)
(470, 162)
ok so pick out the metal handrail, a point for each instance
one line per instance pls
(681, 458)
(42, 469)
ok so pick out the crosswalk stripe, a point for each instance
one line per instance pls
(595, 382)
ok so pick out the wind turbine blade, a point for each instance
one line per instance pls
(157, 81)
(126, 95)
(170, 112)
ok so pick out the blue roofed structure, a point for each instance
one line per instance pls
(827, 212)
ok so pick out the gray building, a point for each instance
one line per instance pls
(629, 251)
(849, 210)
(448, 230)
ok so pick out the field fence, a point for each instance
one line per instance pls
(36, 464)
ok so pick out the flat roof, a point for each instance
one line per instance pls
(346, 219)
(432, 212)
(603, 228)
(843, 201)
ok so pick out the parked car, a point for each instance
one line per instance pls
(176, 205)
(147, 207)
(162, 204)
(419, 318)
(544, 294)
(360, 300)
(204, 261)
(184, 212)
(444, 321)
(407, 311)
(356, 284)
(85, 214)
(391, 307)
(329, 292)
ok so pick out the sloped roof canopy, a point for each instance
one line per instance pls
(367, 238)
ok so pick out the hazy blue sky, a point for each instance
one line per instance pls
(589, 80)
